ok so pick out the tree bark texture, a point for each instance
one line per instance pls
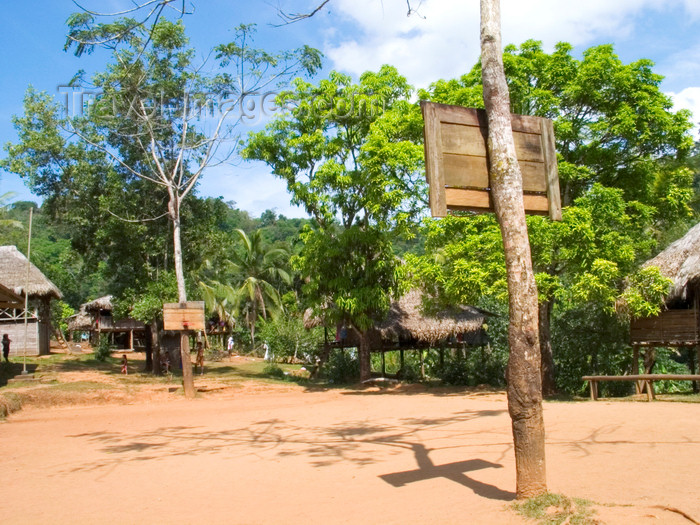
(523, 374)
(365, 365)
(174, 210)
(549, 386)
(149, 349)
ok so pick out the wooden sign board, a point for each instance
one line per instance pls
(457, 166)
(183, 316)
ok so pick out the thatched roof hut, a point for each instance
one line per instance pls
(97, 318)
(101, 303)
(80, 322)
(9, 299)
(679, 323)
(13, 274)
(39, 290)
(680, 262)
(406, 322)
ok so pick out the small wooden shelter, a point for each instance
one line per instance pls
(678, 324)
(96, 318)
(13, 277)
(408, 327)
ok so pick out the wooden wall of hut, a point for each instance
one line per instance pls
(670, 327)
(15, 332)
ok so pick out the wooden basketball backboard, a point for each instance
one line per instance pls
(184, 316)
(457, 164)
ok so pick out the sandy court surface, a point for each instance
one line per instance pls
(289, 456)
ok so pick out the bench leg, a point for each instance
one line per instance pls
(594, 390)
(650, 390)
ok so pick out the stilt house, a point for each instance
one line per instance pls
(678, 324)
(13, 276)
(96, 318)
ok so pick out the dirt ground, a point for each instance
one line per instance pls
(283, 454)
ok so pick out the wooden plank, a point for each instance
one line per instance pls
(532, 177)
(477, 117)
(456, 157)
(525, 123)
(551, 169)
(433, 160)
(465, 171)
(474, 199)
(645, 377)
(184, 316)
(650, 390)
(528, 147)
(536, 203)
(467, 199)
(463, 140)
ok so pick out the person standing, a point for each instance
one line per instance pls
(6, 347)
(229, 346)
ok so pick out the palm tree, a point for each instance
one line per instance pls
(256, 269)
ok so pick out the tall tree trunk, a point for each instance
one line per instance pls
(174, 210)
(365, 366)
(149, 349)
(524, 379)
(155, 344)
(549, 386)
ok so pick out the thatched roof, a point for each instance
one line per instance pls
(406, 321)
(13, 274)
(80, 322)
(680, 262)
(101, 303)
(9, 299)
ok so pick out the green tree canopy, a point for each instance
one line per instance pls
(351, 159)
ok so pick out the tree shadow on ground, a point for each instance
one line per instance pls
(12, 369)
(356, 442)
(453, 471)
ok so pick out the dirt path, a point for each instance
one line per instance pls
(338, 457)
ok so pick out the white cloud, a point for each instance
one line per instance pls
(444, 41)
(252, 187)
(689, 98)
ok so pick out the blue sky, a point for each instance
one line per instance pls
(356, 35)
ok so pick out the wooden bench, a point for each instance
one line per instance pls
(641, 379)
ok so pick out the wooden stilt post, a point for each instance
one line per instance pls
(696, 384)
(383, 364)
(635, 368)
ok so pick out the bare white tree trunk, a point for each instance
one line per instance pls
(524, 379)
(174, 211)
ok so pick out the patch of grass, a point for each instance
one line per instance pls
(9, 402)
(555, 509)
(80, 386)
(12, 369)
(688, 397)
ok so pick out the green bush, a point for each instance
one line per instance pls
(103, 349)
(342, 367)
(454, 373)
(273, 371)
(288, 339)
